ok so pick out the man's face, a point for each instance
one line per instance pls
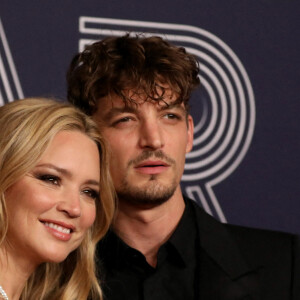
(148, 142)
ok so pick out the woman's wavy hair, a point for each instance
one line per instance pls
(27, 128)
(142, 65)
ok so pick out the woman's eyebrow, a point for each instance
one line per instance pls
(66, 172)
(56, 168)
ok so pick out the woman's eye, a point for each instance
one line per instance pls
(91, 194)
(50, 179)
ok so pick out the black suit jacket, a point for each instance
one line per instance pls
(238, 263)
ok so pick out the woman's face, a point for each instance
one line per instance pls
(51, 208)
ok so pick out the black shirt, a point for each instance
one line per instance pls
(125, 274)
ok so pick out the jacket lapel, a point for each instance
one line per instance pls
(223, 272)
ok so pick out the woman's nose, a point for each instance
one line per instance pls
(70, 204)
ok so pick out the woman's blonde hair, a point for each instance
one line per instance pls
(27, 127)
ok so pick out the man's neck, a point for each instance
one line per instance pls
(146, 229)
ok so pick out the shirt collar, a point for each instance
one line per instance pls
(180, 248)
(183, 240)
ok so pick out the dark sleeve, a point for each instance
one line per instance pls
(278, 255)
(296, 270)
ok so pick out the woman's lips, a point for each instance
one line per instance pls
(59, 230)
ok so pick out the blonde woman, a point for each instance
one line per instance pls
(57, 201)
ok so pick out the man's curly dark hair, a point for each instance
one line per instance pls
(142, 65)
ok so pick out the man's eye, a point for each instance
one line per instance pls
(50, 179)
(125, 119)
(91, 194)
(171, 116)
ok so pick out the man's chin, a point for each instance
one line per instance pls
(150, 196)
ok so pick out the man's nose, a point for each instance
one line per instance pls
(151, 135)
(70, 204)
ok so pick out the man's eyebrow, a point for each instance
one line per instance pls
(118, 110)
(65, 172)
(172, 106)
(114, 111)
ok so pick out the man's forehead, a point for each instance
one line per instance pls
(136, 101)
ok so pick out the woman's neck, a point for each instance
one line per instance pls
(14, 273)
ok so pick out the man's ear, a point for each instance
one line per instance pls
(190, 124)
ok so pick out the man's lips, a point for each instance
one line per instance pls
(152, 167)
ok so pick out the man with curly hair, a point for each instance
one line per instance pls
(161, 244)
